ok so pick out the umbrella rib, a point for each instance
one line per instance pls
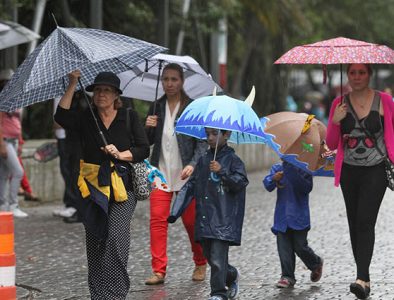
(128, 66)
(139, 73)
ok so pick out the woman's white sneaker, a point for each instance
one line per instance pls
(64, 212)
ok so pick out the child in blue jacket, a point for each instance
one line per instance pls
(292, 221)
(219, 188)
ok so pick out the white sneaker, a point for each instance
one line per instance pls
(64, 212)
(56, 212)
(18, 213)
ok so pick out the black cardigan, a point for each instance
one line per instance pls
(116, 134)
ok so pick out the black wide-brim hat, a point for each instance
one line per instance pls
(105, 78)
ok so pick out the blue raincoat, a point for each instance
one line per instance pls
(220, 197)
(292, 204)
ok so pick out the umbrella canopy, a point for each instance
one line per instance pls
(4, 28)
(221, 112)
(299, 139)
(43, 74)
(338, 51)
(140, 82)
(12, 34)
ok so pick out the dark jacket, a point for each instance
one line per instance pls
(220, 198)
(94, 211)
(292, 204)
(116, 134)
(190, 148)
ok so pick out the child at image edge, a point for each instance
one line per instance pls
(219, 186)
(292, 221)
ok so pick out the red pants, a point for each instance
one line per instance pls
(160, 204)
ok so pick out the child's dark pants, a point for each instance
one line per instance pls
(222, 274)
(295, 242)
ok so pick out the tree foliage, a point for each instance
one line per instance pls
(259, 31)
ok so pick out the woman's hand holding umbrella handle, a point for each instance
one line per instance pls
(339, 113)
(119, 155)
(112, 150)
(65, 101)
(73, 77)
(151, 121)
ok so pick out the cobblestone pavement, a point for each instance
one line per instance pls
(51, 261)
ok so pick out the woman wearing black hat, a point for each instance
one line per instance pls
(108, 203)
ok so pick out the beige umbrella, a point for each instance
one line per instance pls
(299, 138)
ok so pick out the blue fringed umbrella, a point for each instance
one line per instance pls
(222, 112)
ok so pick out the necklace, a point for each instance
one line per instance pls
(362, 101)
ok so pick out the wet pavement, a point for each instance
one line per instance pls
(51, 260)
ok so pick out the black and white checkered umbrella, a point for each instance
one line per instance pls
(43, 74)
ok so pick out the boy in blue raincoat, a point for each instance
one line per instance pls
(292, 221)
(219, 188)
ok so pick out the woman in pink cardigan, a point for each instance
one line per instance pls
(359, 123)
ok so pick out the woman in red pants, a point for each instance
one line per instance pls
(175, 156)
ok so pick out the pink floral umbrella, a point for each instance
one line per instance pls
(338, 51)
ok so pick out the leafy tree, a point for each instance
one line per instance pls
(259, 31)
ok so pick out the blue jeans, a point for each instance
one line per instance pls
(222, 273)
(11, 172)
(295, 242)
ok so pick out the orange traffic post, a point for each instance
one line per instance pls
(7, 257)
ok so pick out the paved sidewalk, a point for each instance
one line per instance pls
(51, 261)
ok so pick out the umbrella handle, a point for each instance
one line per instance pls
(157, 85)
(340, 70)
(94, 116)
(216, 147)
(145, 70)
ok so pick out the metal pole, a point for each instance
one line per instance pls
(162, 24)
(181, 34)
(66, 13)
(201, 45)
(37, 22)
(9, 56)
(214, 56)
(96, 14)
(222, 52)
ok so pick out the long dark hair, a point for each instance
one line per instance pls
(184, 96)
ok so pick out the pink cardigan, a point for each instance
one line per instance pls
(334, 136)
